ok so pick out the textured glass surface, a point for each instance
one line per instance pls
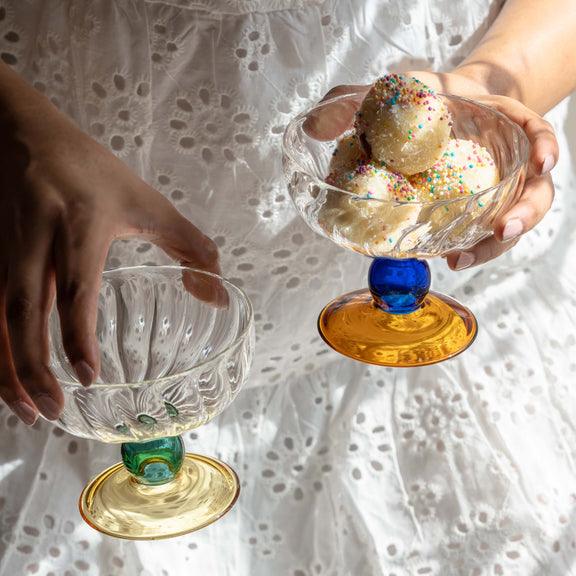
(399, 286)
(169, 361)
(435, 227)
(154, 462)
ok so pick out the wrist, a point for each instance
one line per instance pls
(493, 78)
(474, 78)
(459, 84)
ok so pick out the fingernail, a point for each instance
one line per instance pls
(547, 165)
(25, 412)
(47, 405)
(84, 372)
(512, 229)
(465, 260)
(222, 297)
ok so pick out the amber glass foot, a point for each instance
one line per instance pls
(158, 491)
(354, 326)
(397, 322)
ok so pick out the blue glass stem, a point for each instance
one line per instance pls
(154, 462)
(399, 286)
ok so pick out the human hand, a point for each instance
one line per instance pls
(538, 193)
(63, 199)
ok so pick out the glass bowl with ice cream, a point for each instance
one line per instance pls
(419, 175)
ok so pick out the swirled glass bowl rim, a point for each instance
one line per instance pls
(201, 365)
(523, 152)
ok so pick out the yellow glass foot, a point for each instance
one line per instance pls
(116, 504)
(355, 327)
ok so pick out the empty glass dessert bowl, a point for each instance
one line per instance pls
(398, 321)
(170, 362)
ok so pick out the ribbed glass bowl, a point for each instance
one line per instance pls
(170, 362)
(430, 229)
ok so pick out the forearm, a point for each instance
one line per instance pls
(528, 53)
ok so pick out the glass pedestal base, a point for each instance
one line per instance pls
(116, 504)
(356, 327)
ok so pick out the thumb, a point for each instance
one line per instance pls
(335, 113)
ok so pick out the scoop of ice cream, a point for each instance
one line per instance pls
(347, 155)
(479, 171)
(371, 219)
(372, 181)
(464, 168)
(404, 124)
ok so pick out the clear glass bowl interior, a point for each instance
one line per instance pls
(422, 229)
(169, 360)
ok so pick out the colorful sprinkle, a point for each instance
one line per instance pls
(394, 99)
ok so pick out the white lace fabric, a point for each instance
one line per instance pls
(463, 468)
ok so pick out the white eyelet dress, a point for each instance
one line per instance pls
(466, 468)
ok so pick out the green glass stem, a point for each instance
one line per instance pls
(154, 462)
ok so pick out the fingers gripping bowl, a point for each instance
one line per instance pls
(420, 229)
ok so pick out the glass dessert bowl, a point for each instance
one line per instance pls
(170, 362)
(398, 321)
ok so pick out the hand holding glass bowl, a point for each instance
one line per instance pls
(169, 363)
(398, 321)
